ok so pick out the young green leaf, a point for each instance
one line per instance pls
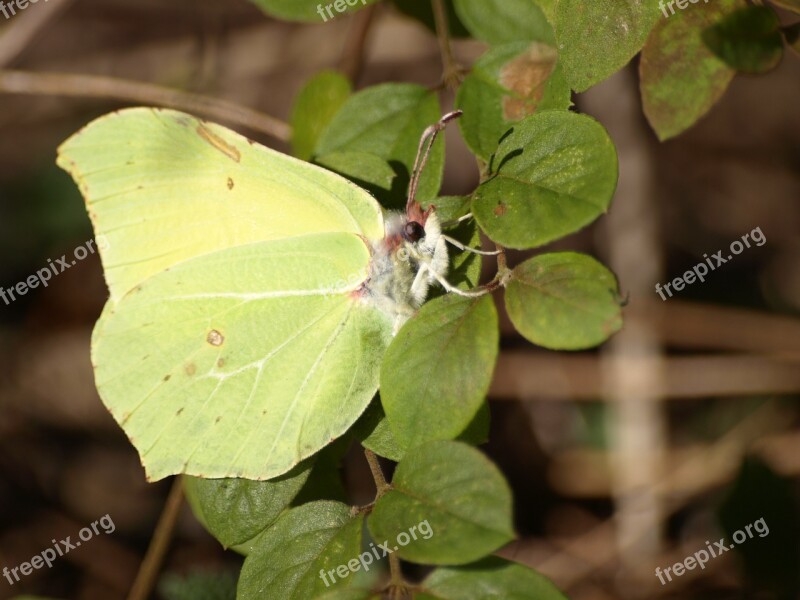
(315, 105)
(287, 560)
(681, 79)
(555, 173)
(502, 21)
(507, 84)
(236, 510)
(438, 368)
(459, 496)
(749, 40)
(311, 11)
(598, 38)
(564, 301)
(492, 577)
(387, 121)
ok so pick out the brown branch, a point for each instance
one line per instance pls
(352, 61)
(94, 86)
(151, 565)
(451, 71)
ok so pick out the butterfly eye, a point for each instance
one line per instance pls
(413, 231)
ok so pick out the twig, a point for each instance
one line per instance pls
(93, 86)
(452, 72)
(21, 31)
(151, 565)
(377, 472)
(352, 61)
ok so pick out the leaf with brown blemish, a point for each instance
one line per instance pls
(526, 76)
(507, 84)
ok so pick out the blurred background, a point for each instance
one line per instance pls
(682, 429)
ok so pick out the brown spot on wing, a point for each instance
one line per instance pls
(217, 142)
(215, 338)
(230, 183)
(190, 369)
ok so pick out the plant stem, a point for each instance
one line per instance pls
(93, 86)
(452, 72)
(377, 473)
(352, 61)
(151, 565)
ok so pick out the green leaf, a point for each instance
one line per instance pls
(449, 208)
(387, 121)
(749, 40)
(596, 39)
(456, 499)
(680, 78)
(555, 173)
(502, 21)
(367, 171)
(286, 561)
(325, 480)
(350, 594)
(423, 12)
(311, 11)
(198, 585)
(236, 510)
(373, 430)
(477, 432)
(375, 434)
(492, 577)
(315, 105)
(507, 84)
(437, 370)
(564, 301)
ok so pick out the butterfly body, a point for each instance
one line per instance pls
(405, 263)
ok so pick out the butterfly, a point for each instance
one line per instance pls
(251, 295)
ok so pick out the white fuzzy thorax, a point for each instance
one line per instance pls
(401, 271)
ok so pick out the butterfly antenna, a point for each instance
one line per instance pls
(424, 151)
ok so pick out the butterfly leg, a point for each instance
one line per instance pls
(461, 246)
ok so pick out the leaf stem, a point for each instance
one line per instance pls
(151, 565)
(377, 473)
(93, 86)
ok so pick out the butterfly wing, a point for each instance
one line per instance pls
(163, 186)
(234, 346)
